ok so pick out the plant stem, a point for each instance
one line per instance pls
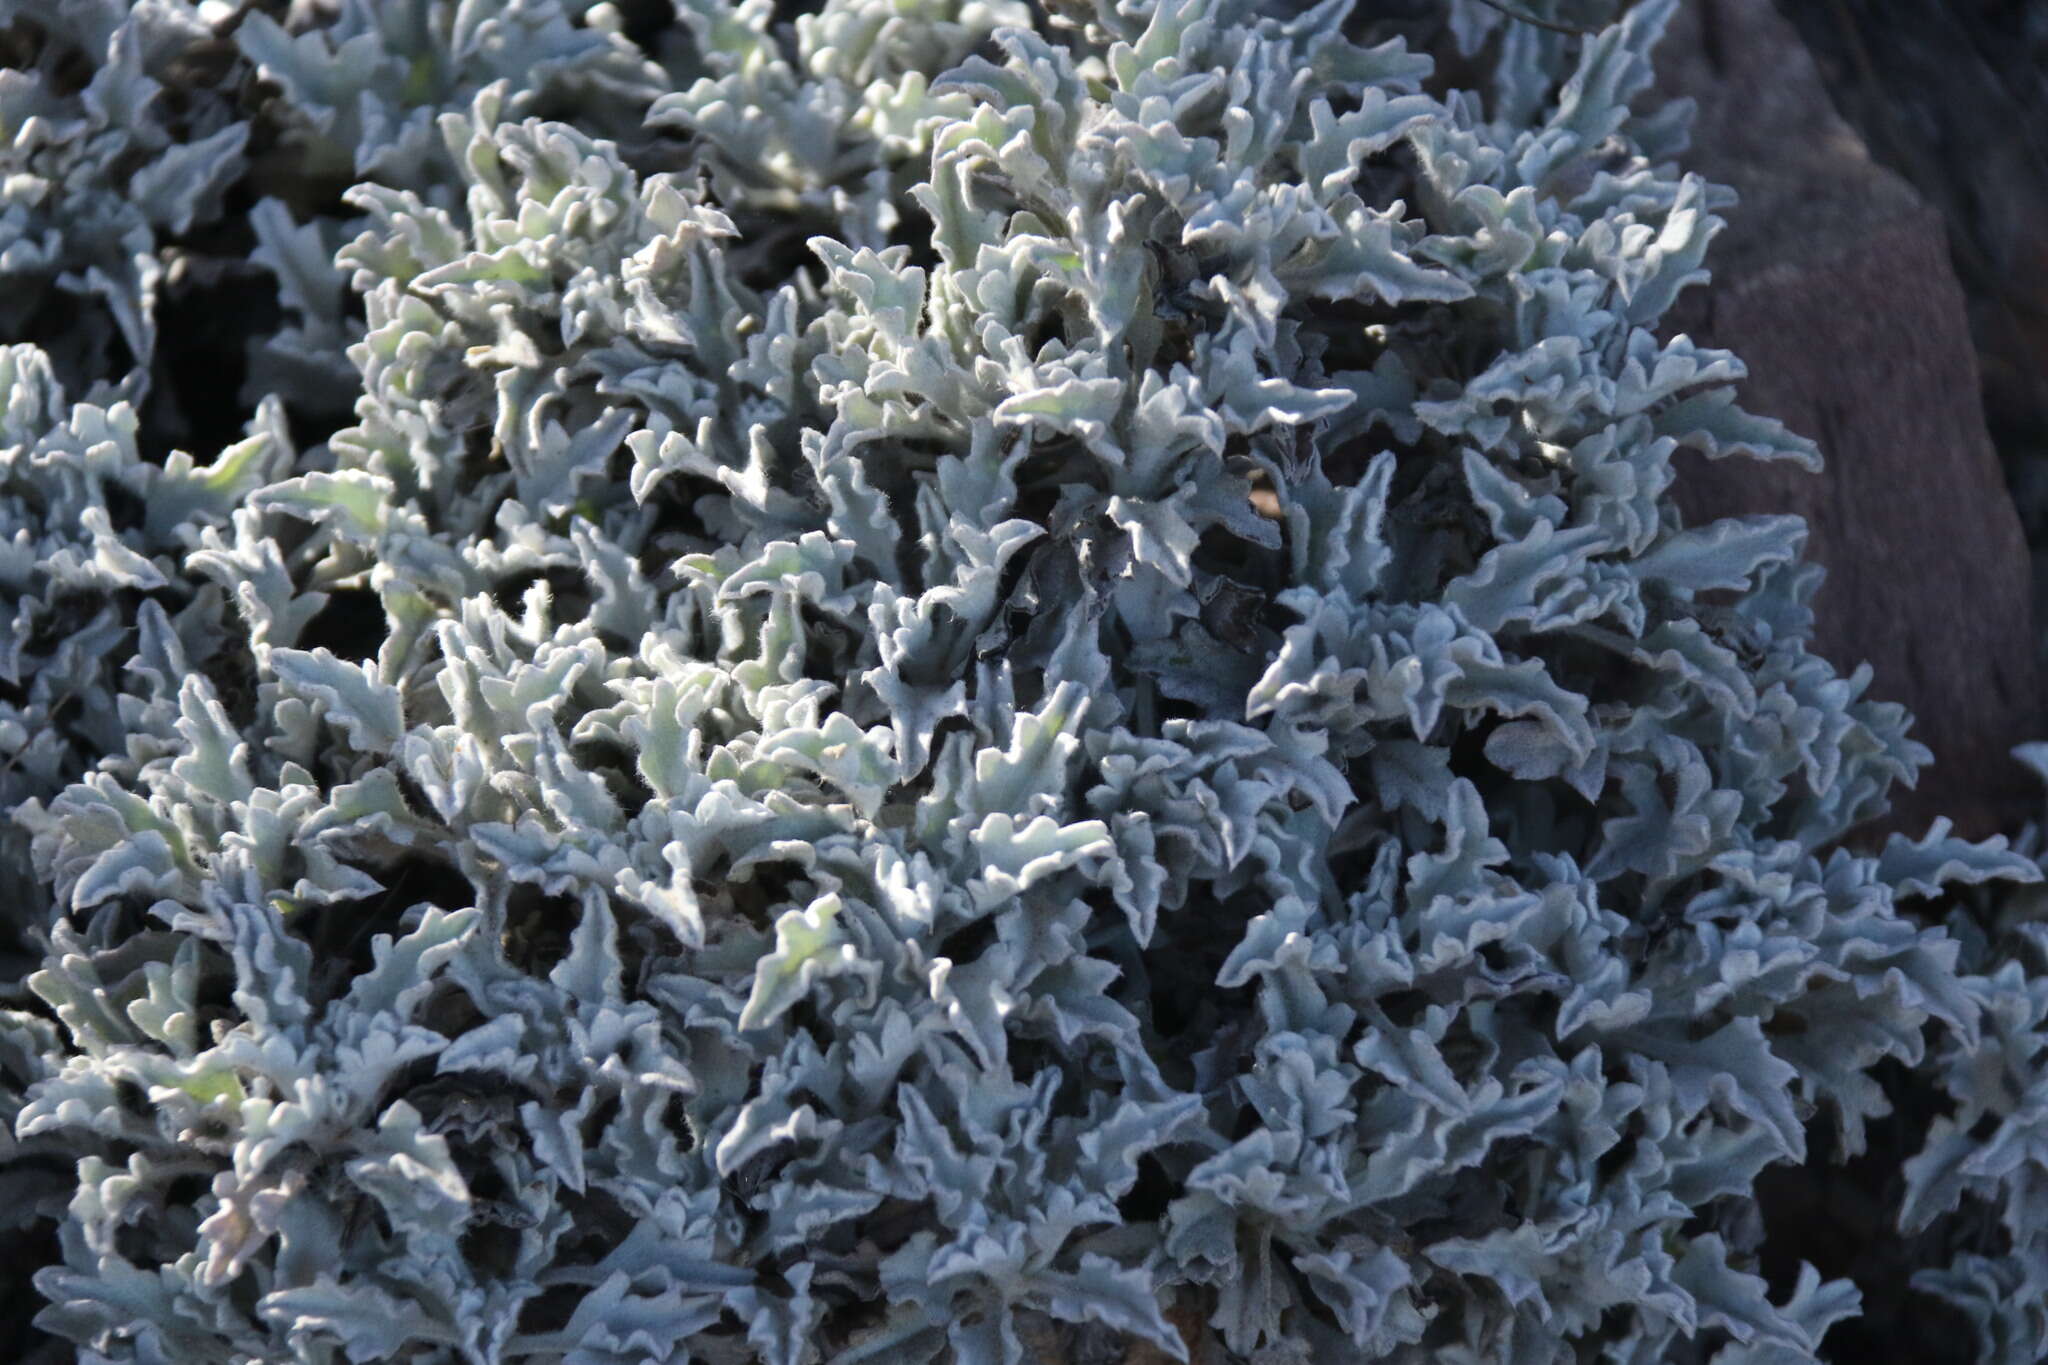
(1575, 30)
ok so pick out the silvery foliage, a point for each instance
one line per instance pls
(94, 572)
(92, 580)
(105, 180)
(1139, 738)
(364, 80)
(361, 84)
(95, 176)
(1982, 1176)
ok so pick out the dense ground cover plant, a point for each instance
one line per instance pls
(970, 679)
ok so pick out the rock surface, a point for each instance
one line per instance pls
(1954, 97)
(1833, 283)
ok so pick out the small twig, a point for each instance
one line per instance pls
(51, 711)
(1572, 30)
(1519, 17)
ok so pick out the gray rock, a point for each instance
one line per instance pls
(1833, 282)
